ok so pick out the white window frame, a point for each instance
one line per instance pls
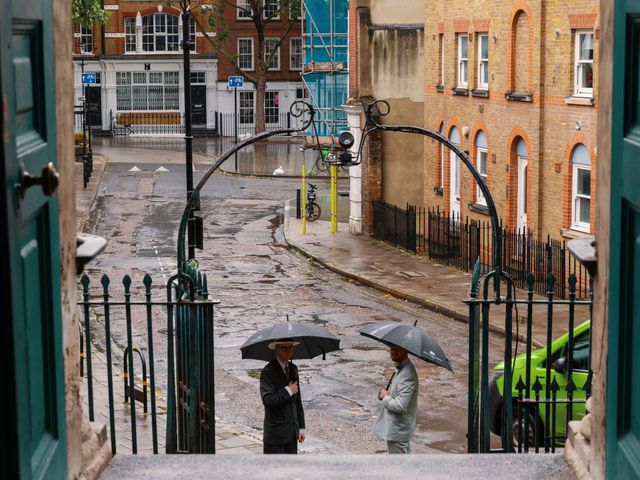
(576, 224)
(463, 62)
(579, 64)
(483, 63)
(158, 34)
(244, 109)
(298, 53)
(146, 89)
(130, 34)
(242, 14)
(271, 4)
(275, 61)
(481, 151)
(86, 38)
(272, 102)
(442, 62)
(240, 54)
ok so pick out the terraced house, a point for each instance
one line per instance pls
(138, 61)
(514, 84)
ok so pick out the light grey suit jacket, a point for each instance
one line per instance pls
(397, 419)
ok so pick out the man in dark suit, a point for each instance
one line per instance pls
(280, 391)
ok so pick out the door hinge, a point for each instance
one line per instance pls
(5, 119)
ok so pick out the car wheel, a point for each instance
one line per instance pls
(535, 435)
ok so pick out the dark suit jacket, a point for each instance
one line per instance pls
(283, 413)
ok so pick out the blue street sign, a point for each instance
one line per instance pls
(235, 82)
(88, 78)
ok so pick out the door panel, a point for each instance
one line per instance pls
(30, 244)
(93, 97)
(623, 368)
(199, 105)
(522, 193)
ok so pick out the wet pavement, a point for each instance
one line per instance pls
(259, 280)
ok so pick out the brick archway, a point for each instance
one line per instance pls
(520, 6)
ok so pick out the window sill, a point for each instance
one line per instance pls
(575, 100)
(439, 88)
(481, 93)
(438, 191)
(519, 97)
(460, 91)
(479, 208)
(571, 233)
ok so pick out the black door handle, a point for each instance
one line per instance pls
(48, 179)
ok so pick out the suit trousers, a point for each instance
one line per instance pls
(398, 447)
(291, 447)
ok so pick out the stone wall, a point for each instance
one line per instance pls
(86, 452)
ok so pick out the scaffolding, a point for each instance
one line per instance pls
(325, 73)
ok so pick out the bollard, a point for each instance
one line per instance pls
(298, 204)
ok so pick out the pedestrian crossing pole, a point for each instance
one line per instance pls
(334, 199)
(304, 201)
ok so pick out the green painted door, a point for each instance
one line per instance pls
(623, 370)
(34, 427)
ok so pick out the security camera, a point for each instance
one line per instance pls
(346, 140)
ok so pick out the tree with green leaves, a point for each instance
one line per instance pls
(84, 13)
(259, 13)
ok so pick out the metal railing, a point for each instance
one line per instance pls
(450, 240)
(395, 225)
(226, 123)
(530, 398)
(178, 386)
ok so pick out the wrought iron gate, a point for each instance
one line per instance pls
(113, 330)
(527, 399)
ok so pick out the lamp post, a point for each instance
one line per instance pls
(84, 104)
(188, 137)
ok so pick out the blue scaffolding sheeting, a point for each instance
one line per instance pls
(325, 71)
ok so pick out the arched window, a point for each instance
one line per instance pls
(521, 199)
(481, 164)
(440, 159)
(454, 174)
(580, 188)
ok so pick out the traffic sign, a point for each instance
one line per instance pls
(235, 81)
(88, 78)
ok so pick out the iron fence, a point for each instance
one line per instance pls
(453, 241)
(226, 123)
(528, 399)
(395, 225)
(178, 386)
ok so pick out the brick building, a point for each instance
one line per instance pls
(515, 85)
(138, 59)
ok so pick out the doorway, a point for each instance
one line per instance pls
(454, 176)
(522, 163)
(198, 105)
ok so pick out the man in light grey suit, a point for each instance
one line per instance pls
(397, 421)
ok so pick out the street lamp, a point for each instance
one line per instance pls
(187, 44)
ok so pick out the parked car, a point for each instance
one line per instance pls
(559, 367)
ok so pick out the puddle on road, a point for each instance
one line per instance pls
(317, 320)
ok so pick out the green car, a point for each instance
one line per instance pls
(559, 367)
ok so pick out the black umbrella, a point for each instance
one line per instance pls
(314, 341)
(411, 338)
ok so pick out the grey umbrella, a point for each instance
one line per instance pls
(314, 341)
(411, 338)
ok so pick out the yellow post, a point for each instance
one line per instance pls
(334, 199)
(303, 194)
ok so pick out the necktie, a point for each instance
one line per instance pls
(286, 372)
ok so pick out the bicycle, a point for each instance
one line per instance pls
(313, 211)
